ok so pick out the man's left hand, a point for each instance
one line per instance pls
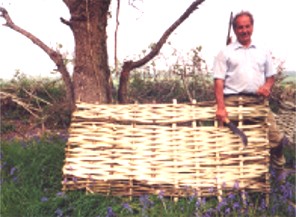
(263, 91)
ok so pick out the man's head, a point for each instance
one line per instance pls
(243, 27)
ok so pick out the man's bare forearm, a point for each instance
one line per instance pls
(219, 86)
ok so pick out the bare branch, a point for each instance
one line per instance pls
(130, 65)
(66, 22)
(115, 38)
(33, 111)
(56, 57)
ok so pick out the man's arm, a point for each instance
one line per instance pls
(221, 112)
(265, 90)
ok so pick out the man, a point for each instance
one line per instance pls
(243, 69)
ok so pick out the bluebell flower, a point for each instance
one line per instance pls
(3, 165)
(60, 194)
(231, 196)
(236, 185)
(160, 195)
(197, 203)
(222, 204)
(145, 202)
(291, 210)
(12, 170)
(263, 204)
(127, 207)
(37, 139)
(203, 201)
(74, 178)
(110, 212)
(44, 199)
(236, 205)
(211, 189)
(65, 180)
(192, 197)
(287, 190)
(273, 210)
(209, 213)
(24, 144)
(58, 212)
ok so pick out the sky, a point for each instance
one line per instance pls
(140, 26)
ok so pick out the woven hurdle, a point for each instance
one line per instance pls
(176, 149)
(286, 119)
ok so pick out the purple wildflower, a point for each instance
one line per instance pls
(231, 196)
(236, 185)
(145, 202)
(36, 139)
(58, 212)
(236, 205)
(12, 170)
(211, 189)
(160, 195)
(110, 212)
(227, 211)
(197, 204)
(44, 199)
(60, 194)
(263, 205)
(209, 213)
(127, 207)
(291, 210)
(3, 165)
(203, 201)
(65, 180)
(221, 205)
(24, 144)
(287, 190)
(74, 179)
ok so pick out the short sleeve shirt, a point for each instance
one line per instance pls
(243, 70)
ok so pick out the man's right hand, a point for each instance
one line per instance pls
(221, 115)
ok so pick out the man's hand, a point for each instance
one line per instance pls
(221, 115)
(266, 88)
(263, 91)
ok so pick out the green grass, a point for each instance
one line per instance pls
(31, 175)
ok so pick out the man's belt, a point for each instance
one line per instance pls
(242, 94)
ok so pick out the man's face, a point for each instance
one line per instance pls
(243, 30)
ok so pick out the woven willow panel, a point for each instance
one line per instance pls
(134, 149)
(286, 120)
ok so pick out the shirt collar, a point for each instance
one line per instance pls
(238, 45)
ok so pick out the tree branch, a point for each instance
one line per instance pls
(56, 57)
(66, 22)
(130, 65)
(115, 37)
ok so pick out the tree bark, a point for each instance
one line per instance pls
(128, 66)
(91, 76)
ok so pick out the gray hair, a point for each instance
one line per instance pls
(242, 13)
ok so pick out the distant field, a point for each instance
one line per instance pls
(290, 78)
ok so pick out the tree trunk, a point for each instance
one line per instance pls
(91, 76)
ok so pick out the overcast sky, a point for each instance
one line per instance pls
(143, 25)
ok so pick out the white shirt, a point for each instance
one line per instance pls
(243, 70)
